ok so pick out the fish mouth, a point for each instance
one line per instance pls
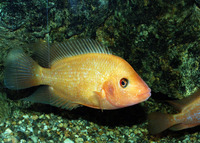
(145, 96)
(141, 98)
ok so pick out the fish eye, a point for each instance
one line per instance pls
(123, 82)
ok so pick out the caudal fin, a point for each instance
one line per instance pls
(159, 122)
(21, 70)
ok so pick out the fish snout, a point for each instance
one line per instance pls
(140, 97)
(145, 96)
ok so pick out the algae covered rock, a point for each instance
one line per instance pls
(159, 38)
(5, 108)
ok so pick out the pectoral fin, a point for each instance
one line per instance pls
(101, 97)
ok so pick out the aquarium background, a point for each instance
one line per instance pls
(159, 38)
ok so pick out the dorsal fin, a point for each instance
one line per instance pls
(49, 54)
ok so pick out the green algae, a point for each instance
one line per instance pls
(5, 109)
(160, 39)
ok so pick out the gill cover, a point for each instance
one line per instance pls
(113, 93)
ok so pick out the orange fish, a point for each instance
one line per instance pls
(76, 72)
(188, 117)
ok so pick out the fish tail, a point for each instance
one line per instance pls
(21, 71)
(159, 122)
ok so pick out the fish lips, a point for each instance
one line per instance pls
(140, 98)
(145, 96)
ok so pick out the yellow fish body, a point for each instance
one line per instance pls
(80, 72)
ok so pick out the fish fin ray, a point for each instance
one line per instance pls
(46, 95)
(159, 122)
(176, 104)
(181, 104)
(182, 126)
(100, 97)
(41, 52)
(49, 54)
(20, 71)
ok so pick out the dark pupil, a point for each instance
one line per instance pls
(123, 82)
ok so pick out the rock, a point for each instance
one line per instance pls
(68, 141)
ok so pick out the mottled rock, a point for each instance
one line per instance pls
(160, 39)
(5, 109)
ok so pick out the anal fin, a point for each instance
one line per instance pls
(46, 95)
(182, 126)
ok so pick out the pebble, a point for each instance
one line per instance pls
(25, 116)
(46, 115)
(34, 138)
(59, 129)
(8, 131)
(60, 125)
(68, 141)
(79, 140)
(34, 117)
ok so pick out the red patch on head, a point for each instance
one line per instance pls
(110, 90)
